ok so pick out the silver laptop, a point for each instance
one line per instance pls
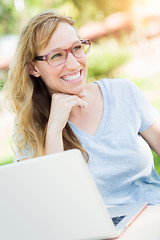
(55, 198)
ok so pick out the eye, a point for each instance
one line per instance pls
(57, 55)
(77, 48)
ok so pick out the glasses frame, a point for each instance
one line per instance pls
(69, 50)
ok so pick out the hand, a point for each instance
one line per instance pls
(61, 107)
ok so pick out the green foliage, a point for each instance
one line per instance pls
(13, 18)
(92, 10)
(6, 160)
(106, 57)
(3, 77)
(7, 17)
(156, 162)
(147, 83)
(103, 58)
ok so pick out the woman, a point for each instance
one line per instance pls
(110, 121)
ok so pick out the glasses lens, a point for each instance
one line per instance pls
(80, 49)
(86, 46)
(57, 57)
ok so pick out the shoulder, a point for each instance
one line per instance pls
(113, 82)
(118, 85)
(92, 88)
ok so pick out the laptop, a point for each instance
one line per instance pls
(54, 197)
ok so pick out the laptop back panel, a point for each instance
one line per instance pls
(52, 197)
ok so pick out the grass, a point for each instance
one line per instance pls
(156, 162)
(6, 160)
(6, 151)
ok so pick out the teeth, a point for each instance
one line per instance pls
(69, 78)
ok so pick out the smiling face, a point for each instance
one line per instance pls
(70, 77)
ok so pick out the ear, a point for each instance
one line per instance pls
(32, 70)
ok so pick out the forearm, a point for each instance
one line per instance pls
(53, 142)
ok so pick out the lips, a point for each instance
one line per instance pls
(71, 77)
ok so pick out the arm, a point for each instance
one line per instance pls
(61, 107)
(152, 137)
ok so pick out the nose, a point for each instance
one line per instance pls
(71, 62)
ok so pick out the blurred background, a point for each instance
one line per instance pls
(125, 38)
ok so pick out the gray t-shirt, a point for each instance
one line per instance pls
(120, 160)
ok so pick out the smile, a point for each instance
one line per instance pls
(70, 78)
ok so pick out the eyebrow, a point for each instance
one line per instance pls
(78, 41)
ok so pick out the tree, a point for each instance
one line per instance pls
(7, 17)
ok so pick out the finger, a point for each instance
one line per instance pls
(76, 101)
(64, 98)
(82, 94)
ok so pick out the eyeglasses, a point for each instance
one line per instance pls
(59, 56)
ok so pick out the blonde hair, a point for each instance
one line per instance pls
(29, 98)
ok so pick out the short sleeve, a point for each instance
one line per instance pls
(148, 113)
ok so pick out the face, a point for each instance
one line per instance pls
(70, 77)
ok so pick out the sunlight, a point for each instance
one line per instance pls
(19, 5)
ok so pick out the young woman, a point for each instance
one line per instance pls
(110, 120)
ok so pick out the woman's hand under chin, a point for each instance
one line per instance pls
(61, 107)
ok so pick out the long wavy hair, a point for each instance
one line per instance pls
(29, 96)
